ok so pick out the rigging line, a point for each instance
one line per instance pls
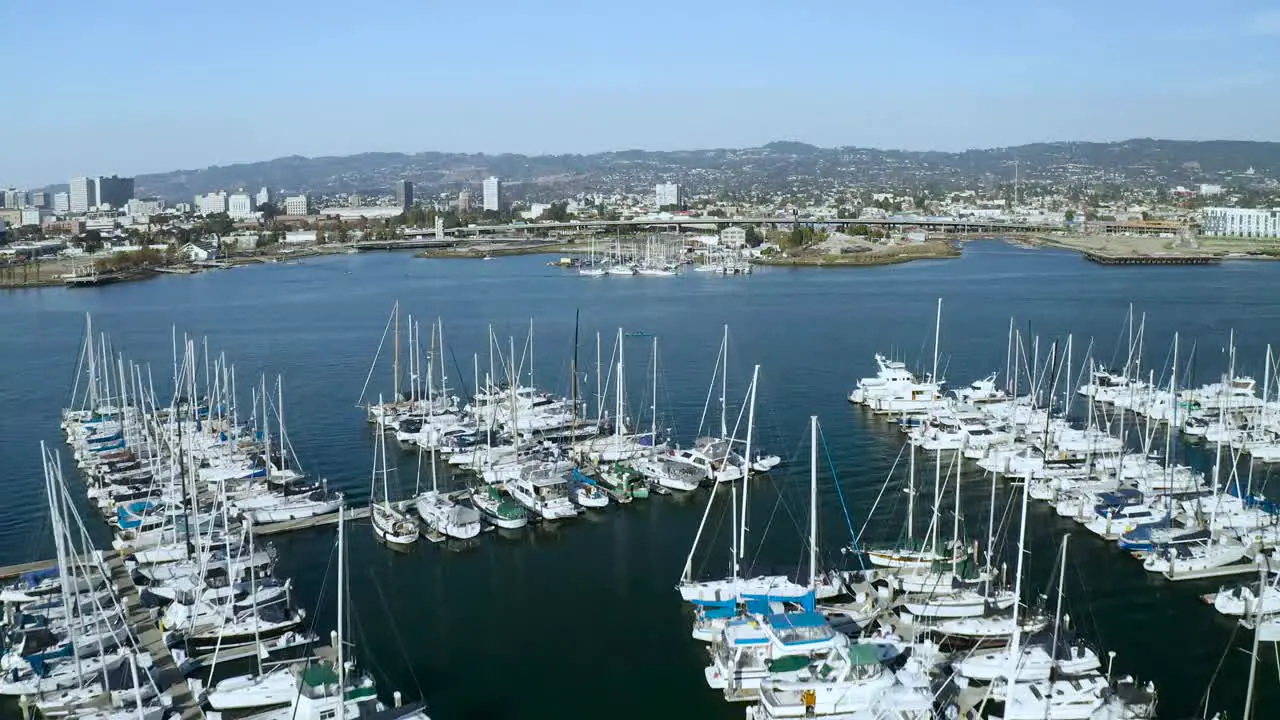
(844, 506)
(399, 645)
(773, 514)
(1231, 641)
(385, 331)
(883, 487)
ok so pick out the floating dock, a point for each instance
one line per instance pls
(359, 513)
(1240, 568)
(1106, 259)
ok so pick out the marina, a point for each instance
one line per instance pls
(961, 453)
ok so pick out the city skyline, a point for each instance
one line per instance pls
(936, 76)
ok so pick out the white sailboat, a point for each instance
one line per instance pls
(390, 524)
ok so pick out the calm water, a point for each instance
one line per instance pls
(583, 618)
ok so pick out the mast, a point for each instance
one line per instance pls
(531, 353)
(573, 382)
(444, 383)
(1057, 614)
(1008, 357)
(724, 383)
(618, 401)
(746, 464)
(653, 408)
(342, 591)
(911, 495)
(280, 417)
(813, 501)
(395, 363)
(1253, 656)
(1015, 654)
(599, 388)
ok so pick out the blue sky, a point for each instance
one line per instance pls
(145, 86)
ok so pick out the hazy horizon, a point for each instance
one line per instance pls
(150, 87)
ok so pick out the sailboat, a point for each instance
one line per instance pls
(726, 593)
(593, 269)
(442, 513)
(389, 524)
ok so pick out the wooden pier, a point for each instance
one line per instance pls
(142, 623)
(303, 523)
(10, 572)
(1108, 259)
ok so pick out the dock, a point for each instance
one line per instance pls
(142, 624)
(1109, 259)
(359, 513)
(9, 572)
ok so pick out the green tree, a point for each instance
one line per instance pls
(556, 212)
(754, 238)
(269, 212)
(1069, 215)
(91, 241)
(343, 234)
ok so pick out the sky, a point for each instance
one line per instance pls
(146, 86)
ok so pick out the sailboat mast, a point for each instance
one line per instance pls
(618, 400)
(1014, 652)
(599, 386)
(813, 502)
(395, 386)
(1008, 357)
(1057, 614)
(342, 591)
(911, 494)
(746, 465)
(444, 378)
(653, 408)
(280, 416)
(724, 383)
(531, 384)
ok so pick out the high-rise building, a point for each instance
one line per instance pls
(464, 201)
(493, 194)
(40, 199)
(404, 194)
(240, 206)
(264, 197)
(211, 203)
(84, 195)
(114, 191)
(15, 198)
(297, 205)
(61, 202)
(667, 194)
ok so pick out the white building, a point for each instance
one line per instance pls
(61, 203)
(33, 216)
(83, 195)
(1240, 222)
(734, 237)
(667, 194)
(240, 206)
(296, 205)
(1210, 190)
(493, 194)
(299, 237)
(212, 203)
(264, 197)
(15, 199)
(144, 207)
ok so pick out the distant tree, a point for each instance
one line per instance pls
(91, 241)
(716, 212)
(1069, 215)
(269, 212)
(754, 238)
(860, 229)
(344, 234)
(556, 212)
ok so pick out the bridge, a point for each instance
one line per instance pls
(978, 225)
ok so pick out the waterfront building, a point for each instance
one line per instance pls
(667, 194)
(211, 203)
(734, 237)
(84, 195)
(493, 194)
(240, 206)
(1240, 222)
(297, 205)
(404, 194)
(464, 201)
(61, 203)
(114, 191)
